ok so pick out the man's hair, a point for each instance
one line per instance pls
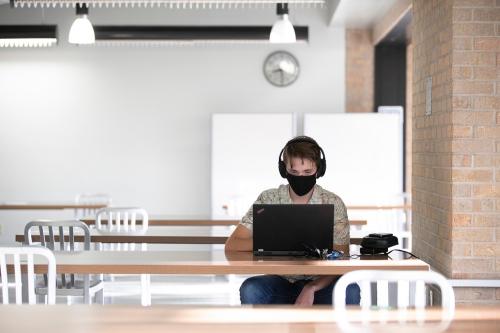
(304, 150)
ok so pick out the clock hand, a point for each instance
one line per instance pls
(287, 67)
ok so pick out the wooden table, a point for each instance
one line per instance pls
(48, 206)
(380, 207)
(165, 220)
(154, 235)
(211, 262)
(268, 319)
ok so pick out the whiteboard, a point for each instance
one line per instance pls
(364, 154)
(245, 151)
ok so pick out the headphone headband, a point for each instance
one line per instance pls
(321, 168)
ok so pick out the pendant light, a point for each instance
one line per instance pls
(282, 31)
(28, 35)
(186, 35)
(81, 31)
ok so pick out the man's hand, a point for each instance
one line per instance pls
(306, 297)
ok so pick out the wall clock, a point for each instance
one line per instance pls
(281, 68)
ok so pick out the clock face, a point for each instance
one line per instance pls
(281, 68)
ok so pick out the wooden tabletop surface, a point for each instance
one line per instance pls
(166, 220)
(378, 207)
(263, 319)
(211, 262)
(70, 205)
(153, 235)
(152, 239)
(48, 206)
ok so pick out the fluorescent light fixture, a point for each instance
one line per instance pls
(81, 31)
(187, 35)
(282, 31)
(28, 35)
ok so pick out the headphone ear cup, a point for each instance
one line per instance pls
(322, 164)
(282, 168)
(322, 168)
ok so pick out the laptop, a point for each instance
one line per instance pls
(289, 229)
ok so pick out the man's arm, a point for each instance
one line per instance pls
(341, 234)
(240, 240)
(306, 296)
(343, 248)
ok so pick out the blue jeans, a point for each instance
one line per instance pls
(275, 289)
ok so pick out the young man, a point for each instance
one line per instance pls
(301, 161)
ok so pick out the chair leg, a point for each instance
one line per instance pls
(86, 289)
(234, 296)
(99, 295)
(24, 286)
(99, 247)
(40, 299)
(145, 289)
(111, 247)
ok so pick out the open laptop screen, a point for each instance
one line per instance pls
(288, 229)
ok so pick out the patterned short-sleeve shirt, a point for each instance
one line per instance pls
(281, 195)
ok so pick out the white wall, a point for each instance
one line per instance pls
(134, 122)
(236, 183)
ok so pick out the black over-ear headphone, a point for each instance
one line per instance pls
(322, 163)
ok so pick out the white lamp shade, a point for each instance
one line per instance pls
(81, 31)
(283, 31)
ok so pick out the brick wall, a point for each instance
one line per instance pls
(476, 108)
(456, 176)
(432, 134)
(359, 71)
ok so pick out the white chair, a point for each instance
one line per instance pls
(124, 220)
(30, 253)
(48, 232)
(90, 199)
(410, 288)
(410, 292)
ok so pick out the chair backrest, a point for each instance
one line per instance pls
(48, 229)
(90, 199)
(410, 287)
(47, 233)
(122, 219)
(29, 252)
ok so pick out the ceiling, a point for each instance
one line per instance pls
(349, 13)
(360, 14)
(2, 2)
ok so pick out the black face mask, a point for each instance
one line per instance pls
(301, 185)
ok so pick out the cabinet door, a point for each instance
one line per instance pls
(364, 155)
